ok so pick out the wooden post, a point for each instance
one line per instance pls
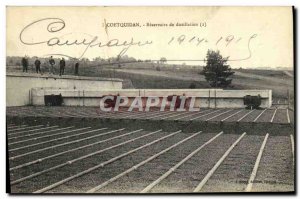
(209, 98)
(215, 98)
(29, 98)
(82, 97)
(288, 93)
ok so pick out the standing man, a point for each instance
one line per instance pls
(37, 64)
(62, 65)
(52, 63)
(76, 68)
(25, 64)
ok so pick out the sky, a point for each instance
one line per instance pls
(248, 36)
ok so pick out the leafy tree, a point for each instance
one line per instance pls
(216, 71)
(163, 60)
(97, 59)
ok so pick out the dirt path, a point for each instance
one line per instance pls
(288, 73)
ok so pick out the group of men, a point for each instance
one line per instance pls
(37, 63)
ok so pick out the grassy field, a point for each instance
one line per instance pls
(171, 78)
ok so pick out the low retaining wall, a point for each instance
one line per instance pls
(19, 85)
(205, 98)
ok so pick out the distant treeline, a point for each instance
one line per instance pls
(112, 62)
(16, 60)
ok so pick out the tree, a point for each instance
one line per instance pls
(217, 71)
(163, 60)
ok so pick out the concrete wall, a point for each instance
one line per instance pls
(18, 86)
(210, 98)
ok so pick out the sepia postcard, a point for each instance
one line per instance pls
(150, 100)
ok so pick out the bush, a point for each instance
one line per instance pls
(192, 85)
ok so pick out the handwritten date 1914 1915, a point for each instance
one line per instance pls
(55, 26)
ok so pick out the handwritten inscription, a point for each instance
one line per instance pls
(55, 27)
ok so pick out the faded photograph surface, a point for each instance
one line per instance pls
(150, 99)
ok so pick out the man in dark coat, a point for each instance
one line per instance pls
(37, 64)
(25, 64)
(52, 63)
(62, 64)
(76, 68)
